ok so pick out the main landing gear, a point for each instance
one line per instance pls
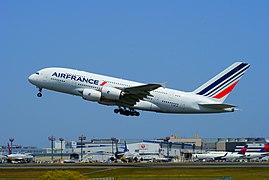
(126, 112)
(39, 94)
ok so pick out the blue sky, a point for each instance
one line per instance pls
(183, 43)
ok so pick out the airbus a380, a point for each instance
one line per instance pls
(130, 96)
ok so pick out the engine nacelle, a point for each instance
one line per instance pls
(111, 93)
(91, 95)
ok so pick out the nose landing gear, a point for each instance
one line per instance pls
(39, 94)
(126, 112)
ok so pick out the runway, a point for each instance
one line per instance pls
(154, 166)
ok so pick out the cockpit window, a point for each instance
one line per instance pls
(37, 73)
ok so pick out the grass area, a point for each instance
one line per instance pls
(177, 173)
(147, 173)
(30, 173)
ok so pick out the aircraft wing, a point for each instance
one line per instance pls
(143, 88)
(134, 94)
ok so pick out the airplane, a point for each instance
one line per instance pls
(236, 155)
(130, 96)
(19, 158)
(126, 155)
(263, 152)
(220, 155)
(209, 156)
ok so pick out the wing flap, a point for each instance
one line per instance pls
(132, 95)
(145, 88)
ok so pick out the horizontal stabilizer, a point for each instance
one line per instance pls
(217, 106)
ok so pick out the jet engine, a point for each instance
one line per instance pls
(91, 95)
(111, 93)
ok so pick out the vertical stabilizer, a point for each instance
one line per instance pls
(265, 148)
(125, 147)
(220, 86)
(243, 150)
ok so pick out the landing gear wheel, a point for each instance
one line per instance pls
(137, 113)
(121, 111)
(39, 94)
(126, 112)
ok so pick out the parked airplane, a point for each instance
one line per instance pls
(209, 156)
(19, 158)
(263, 152)
(126, 155)
(130, 96)
(220, 155)
(236, 155)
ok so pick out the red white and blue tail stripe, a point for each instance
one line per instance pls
(243, 150)
(220, 86)
(265, 148)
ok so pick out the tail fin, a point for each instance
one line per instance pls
(265, 148)
(243, 150)
(125, 147)
(9, 149)
(220, 86)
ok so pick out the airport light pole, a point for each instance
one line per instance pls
(61, 139)
(170, 146)
(182, 148)
(51, 138)
(113, 140)
(161, 148)
(11, 141)
(193, 147)
(81, 138)
(167, 140)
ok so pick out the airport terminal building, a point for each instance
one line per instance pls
(101, 150)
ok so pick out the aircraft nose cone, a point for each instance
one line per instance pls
(31, 78)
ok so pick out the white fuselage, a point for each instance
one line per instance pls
(209, 155)
(233, 156)
(221, 155)
(16, 158)
(251, 155)
(160, 100)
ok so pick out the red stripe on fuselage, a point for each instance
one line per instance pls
(103, 83)
(225, 91)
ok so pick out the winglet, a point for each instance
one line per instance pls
(163, 84)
